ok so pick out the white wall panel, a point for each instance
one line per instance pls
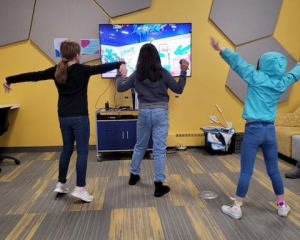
(245, 20)
(74, 19)
(15, 20)
(116, 8)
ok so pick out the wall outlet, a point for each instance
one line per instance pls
(211, 118)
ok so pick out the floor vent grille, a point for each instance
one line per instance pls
(189, 134)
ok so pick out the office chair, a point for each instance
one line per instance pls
(3, 128)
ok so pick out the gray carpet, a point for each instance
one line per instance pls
(29, 209)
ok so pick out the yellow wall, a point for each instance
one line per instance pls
(36, 122)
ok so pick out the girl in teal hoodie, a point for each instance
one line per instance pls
(265, 85)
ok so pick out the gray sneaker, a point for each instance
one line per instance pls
(284, 210)
(293, 174)
(61, 188)
(232, 211)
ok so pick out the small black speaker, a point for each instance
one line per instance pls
(106, 106)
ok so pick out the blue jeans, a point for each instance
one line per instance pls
(155, 121)
(74, 129)
(259, 134)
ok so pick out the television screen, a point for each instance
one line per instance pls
(123, 41)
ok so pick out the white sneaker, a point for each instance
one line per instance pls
(82, 194)
(61, 188)
(284, 210)
(232, 211)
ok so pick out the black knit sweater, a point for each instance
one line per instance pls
(72, 99)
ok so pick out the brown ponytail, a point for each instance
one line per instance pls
(61, 72)
(68, 50)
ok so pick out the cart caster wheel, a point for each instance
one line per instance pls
(149, 155)
(99, 158)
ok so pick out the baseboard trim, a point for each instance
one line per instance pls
(58, 149)
(287, 159)
(37, 149)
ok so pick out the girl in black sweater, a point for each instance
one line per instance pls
(71, 79)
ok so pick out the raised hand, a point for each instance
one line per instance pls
(123, 70)
(121, 60)
(6, 87)
(184, 65)
(215, 44)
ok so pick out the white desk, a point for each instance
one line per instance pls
(13, 106)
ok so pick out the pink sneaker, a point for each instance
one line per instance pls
(232, 211)
(283, 210)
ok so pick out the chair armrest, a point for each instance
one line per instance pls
(288, 119)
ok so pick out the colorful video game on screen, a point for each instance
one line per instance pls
(123, 41)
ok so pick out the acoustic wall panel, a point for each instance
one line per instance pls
(251, 53)
(116, 8)
(243, 21)
(73, 19)
(15, 20)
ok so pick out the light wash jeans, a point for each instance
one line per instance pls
(155, 121)
(74, 129)
(259, 134)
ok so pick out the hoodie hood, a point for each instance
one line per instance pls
(273, 63)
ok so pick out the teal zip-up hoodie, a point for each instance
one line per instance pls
(264, 85)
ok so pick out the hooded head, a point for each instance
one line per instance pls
(272, 63)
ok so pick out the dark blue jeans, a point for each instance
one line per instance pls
(259, 134)
(74, 129)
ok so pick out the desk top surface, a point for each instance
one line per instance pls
(13, 106)
(102, 111)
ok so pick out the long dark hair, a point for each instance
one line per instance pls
(68, 51)
(149, 65)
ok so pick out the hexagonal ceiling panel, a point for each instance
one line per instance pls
(251, 53)
(73, 19)
(243, 21)
(116, 8)
(15, 20)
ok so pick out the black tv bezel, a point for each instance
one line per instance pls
(141, 24)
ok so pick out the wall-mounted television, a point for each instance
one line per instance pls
(123, 41)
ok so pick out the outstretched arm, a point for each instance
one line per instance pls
(123, 83)
(292, 76)
(245, 70)
(103, 68)
(28, 77)
(176, 86)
